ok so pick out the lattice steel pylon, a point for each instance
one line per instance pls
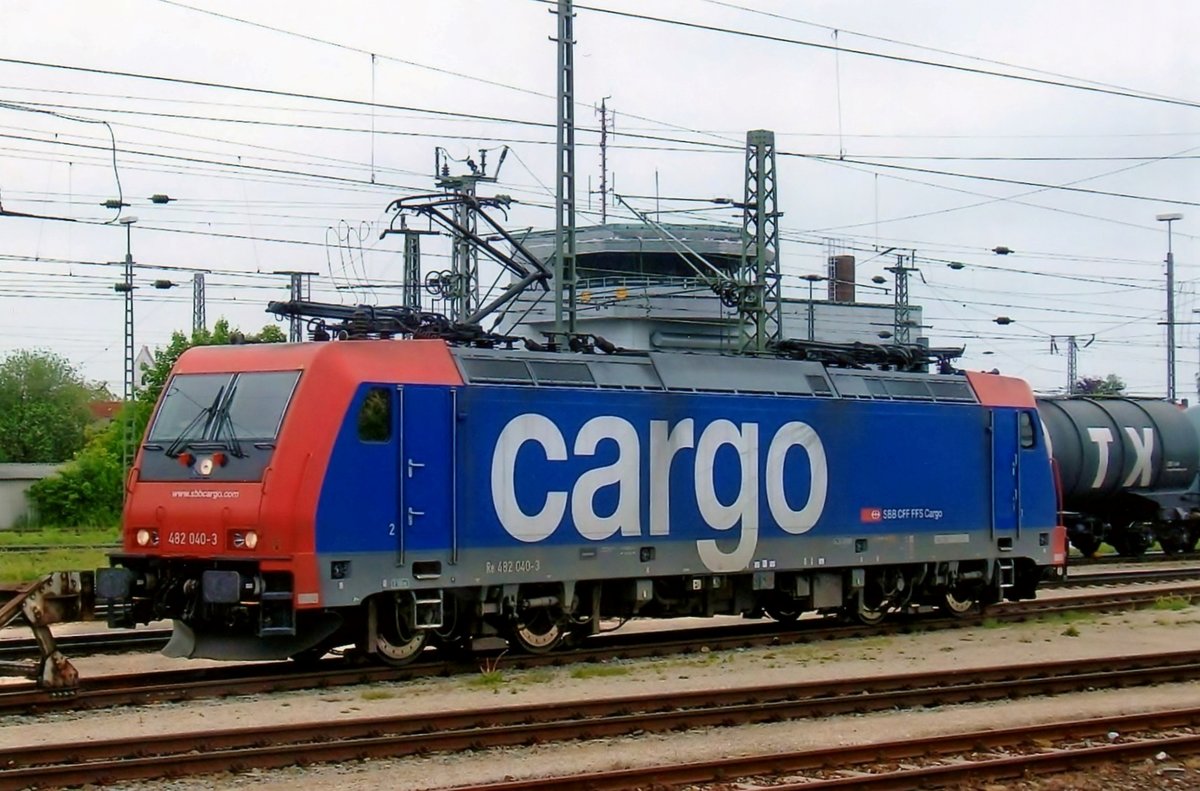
(199, 321)
(760, 303)
(127, 452)
(564, 226)
(412, 269)
(462, 299)
(902, 312)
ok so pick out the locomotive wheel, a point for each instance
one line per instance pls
(958, 607)
(787, 613)
(868, 615)
(539, 632)
(397, 642)
(868, 608)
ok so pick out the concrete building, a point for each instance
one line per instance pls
(15, 480)
(638, 291)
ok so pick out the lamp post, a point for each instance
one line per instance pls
(812, 279)
(1168, 219)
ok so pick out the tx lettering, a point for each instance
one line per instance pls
(666, 442)
(1143, 449)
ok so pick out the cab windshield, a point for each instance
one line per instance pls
(218, 407)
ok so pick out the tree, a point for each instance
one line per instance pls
(1110, 385)
(43, 408)
(90, 490)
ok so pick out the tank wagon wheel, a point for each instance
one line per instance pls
(397, 641)
(1087, 545)
(1131, 541)
(539, 632)
(1175, 538)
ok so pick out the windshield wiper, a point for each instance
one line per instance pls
(226, 422)
(177, 445)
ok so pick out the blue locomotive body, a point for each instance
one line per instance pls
(632, 478)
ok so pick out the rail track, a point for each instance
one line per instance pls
(245, 679)
(973, 757)
(90, 644)
(272, 746)
(116, 642)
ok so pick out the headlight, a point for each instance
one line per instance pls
(243, 539)
(143, 537)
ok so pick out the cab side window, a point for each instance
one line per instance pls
(375, 416)
(1028, 436)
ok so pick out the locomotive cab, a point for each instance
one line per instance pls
(199, 544)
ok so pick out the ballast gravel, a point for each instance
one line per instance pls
(1149, 631)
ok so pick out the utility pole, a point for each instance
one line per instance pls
(760, 303)
(296, 293)
(564, 201)
(126, 286)
(812, 319)
(603, 161)
(1072, 358)
(1169, 219)
(199, 322)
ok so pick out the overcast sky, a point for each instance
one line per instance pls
(263, 182)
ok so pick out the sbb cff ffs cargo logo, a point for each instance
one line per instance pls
(666, 440)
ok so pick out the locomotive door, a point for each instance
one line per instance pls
(1006, 474)
(427, 527)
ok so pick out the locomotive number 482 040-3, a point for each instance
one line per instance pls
(512, 566)
(192, 538)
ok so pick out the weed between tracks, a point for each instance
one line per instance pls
(598, 671)
(1173, 603)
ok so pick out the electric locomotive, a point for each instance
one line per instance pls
(400, 493)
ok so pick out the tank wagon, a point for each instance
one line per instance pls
(1128, 469)
(291, 497)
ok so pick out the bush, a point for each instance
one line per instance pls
(88, 492)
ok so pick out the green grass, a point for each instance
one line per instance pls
(488, 678)
(1067, 617)
(1070, 631)
(1172, 602)
(598, 671)
(18, 566)
(377, 694)
(60, 536)
(74, 549)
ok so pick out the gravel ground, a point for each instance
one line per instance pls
(1062, 638)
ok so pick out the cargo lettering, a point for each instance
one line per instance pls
(666, 443)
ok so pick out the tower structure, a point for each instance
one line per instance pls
(199, 321)
(564, 225)
(760, 308)
(461, 292)
(902, 313)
